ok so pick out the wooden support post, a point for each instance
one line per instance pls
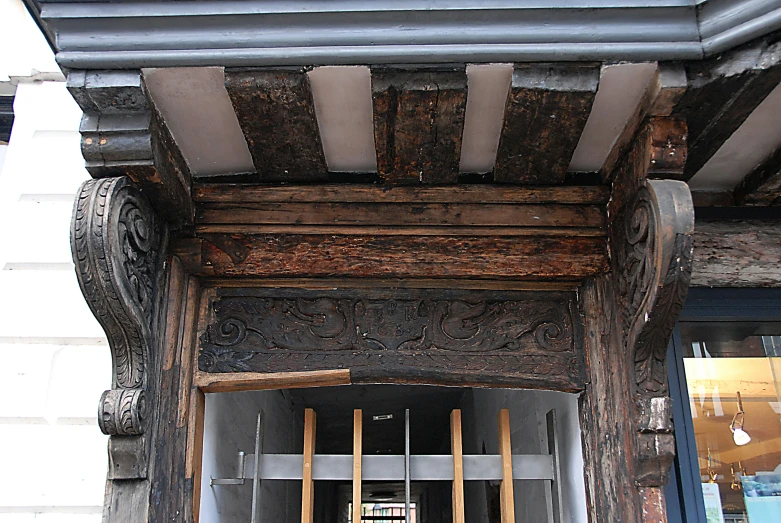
(506, 499)
(457, 449)
(308, 488)
(357, 453)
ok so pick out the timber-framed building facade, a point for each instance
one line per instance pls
(524, 217)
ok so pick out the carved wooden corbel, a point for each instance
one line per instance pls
(118, 244)
(653, 255)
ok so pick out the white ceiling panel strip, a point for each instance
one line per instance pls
(621, 88)
(199, 113)
(488, 86)
(746, 149)
(343, 104)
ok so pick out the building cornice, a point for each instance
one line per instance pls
(133, 34)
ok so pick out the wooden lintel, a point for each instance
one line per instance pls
(331, 193)
(245, 381)
(545, 115)
(418, 124)
(328, 256)
(722, 92)
(276, 113)
(403, 214)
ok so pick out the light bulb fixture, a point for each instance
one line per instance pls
(739, 434)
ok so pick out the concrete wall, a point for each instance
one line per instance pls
(528, 411)
(229, 426)
(55, 359)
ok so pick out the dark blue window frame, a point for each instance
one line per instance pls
(684, 492)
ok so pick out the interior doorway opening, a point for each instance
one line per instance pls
(230, 426)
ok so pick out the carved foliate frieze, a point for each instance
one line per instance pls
(117, 243)
(652, 245)
(531, 337)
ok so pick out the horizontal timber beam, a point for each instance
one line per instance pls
(397, 256)
(223, 193)
(739, 253)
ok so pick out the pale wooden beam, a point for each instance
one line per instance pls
(244, 381)
(357, 463)
(506, 494)
(457, 449)
(308, 487)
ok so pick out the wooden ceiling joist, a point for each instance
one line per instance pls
(722, 92)
(546, 112)
(418, 124)
(277, 115)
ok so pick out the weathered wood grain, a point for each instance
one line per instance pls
(243, 381)
(316, 256)
(404, 214)
(722, 93)
(276, 112)
(737, 253)
(762, 186)
(605, 410)
(545, 115)
(418, 124)
(330, 193)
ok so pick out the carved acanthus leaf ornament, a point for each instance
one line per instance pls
(117, 243)
(652, 239)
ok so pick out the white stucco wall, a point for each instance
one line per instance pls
(55, 359)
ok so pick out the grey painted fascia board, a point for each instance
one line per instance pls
(135, 34)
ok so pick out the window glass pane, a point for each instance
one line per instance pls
(733, 375)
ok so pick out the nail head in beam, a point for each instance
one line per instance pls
(276, 112)
(546, 112)
(357, 464)
(418, 124)
(456, 447)
(308, 488)
(506, 495)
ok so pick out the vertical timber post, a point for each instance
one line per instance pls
(308, 486)
(506, 494)
(357, 463)
(629, 314)
(457, 449)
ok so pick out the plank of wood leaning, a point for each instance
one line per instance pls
(308, 487)
(409, 214)
(506, 492)
(723, 91)
(545, 115)
(357, 462)
(276, 112)
(227, 193)
(244, 381)
(418, 124)
(313, 256)
(457, 449)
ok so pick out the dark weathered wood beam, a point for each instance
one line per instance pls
(722, 92)
(290, 255)
(276, 112)
(546, 112)
(762, 186)
(418, 124)
(737, 253)
(239, 194)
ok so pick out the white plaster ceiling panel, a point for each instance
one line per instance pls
(621, 87)
(199, 113)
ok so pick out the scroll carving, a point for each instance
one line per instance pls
(268, 333)
(117, 243)
(652, 240)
